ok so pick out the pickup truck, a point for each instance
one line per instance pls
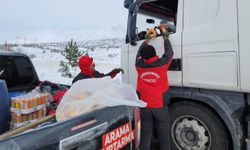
(108, 128)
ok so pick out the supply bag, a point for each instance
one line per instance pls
(90, 94)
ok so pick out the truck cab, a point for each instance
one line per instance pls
(18, 71)
(209, 75)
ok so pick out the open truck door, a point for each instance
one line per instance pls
(148, 14)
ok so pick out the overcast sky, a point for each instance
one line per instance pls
(18, 17)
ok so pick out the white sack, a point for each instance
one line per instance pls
(91, 94)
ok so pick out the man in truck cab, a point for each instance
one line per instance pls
(152, 87)
(87, 67)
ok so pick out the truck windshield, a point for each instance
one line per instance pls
(16, 71)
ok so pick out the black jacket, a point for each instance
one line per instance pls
(166, 57)
(97, 74)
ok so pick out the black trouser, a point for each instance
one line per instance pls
(158, 118)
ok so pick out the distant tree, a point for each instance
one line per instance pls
(71, 53)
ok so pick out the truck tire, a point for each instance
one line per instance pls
(196, 127)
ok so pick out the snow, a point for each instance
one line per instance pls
(46, 57)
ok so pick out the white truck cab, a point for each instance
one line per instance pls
(209, 75)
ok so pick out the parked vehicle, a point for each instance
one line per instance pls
(209, 75)
(107, 128)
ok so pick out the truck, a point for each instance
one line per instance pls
(107, 128)
(209, 75)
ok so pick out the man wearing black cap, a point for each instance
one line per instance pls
(152, 87)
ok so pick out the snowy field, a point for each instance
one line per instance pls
(46, 57)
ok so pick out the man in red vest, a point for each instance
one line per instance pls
(152, 87)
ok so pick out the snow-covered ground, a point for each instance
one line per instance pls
(46, 57)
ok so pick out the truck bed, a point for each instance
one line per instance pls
(83, 132)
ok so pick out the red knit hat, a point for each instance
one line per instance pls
(85, 62)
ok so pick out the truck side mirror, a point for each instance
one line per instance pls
(132, 24)
(127, 3)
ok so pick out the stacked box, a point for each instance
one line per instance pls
(28, 108)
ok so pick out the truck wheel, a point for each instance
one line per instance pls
(196, 127)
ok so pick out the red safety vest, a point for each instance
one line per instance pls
(152, 80)
(152, 83)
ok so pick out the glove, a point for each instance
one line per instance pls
(164, 31)
(115, 71)
(151, 33)
(142, 35)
